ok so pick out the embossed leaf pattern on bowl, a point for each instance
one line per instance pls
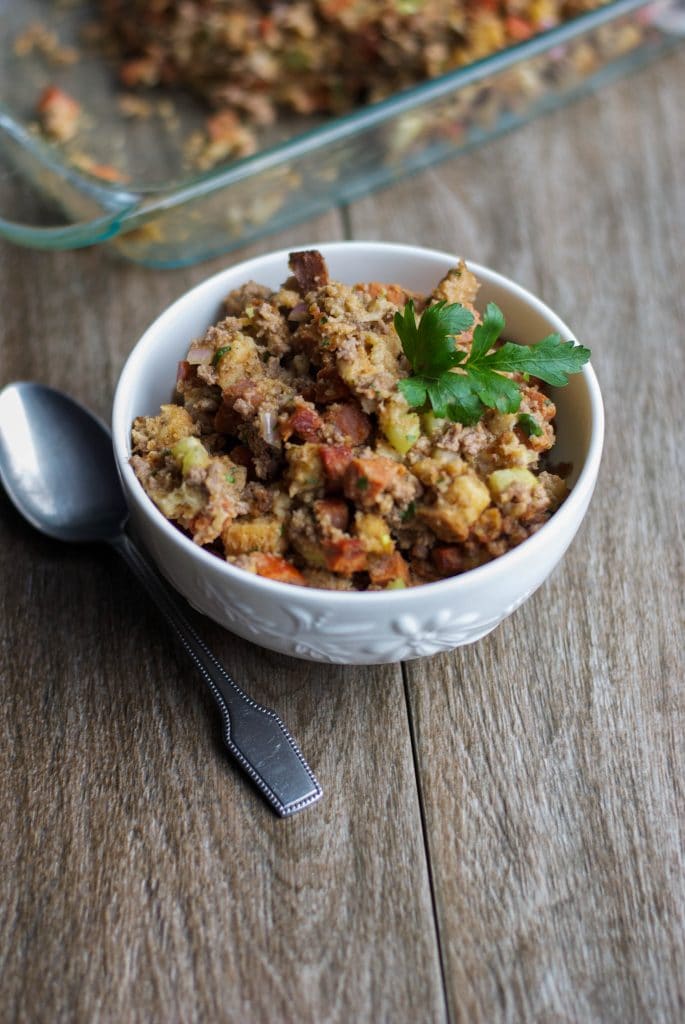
(324, 636)
(243, 617)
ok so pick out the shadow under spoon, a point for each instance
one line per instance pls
(58, 468)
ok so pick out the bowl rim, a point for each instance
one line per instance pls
(562, 521)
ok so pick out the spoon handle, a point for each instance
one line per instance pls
(255, 735)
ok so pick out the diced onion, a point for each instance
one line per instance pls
(298, 313)
(200, 355)
(267, 427)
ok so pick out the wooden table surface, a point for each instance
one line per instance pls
(501, 836)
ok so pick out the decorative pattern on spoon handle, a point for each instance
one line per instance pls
(255, 735)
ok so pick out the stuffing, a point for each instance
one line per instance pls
(293, 454)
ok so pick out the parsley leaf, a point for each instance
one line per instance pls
(437, 321)
(414, 390)
(220, 353)
(409, 512)
(486, 333)
(550, 360)
(529, 425)
(460, 386)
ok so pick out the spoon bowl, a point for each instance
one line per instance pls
(57, 465)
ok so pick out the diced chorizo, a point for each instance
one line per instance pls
(351, 424)
(333, 512)
(345, 556)
(335, 458)
(330, 387)
(365, 478)
(304, 423)
(248, 392)
(448, 560)
(309, 268)
(386, 568)
(273, 567)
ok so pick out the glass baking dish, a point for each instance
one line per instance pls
(127, 181)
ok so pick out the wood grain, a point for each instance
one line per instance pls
(556, 833)
(141, 878)
(501, 837)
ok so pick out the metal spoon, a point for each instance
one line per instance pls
(57, 466)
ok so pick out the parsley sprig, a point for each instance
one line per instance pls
(461, 385)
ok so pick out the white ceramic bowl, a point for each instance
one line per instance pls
(334, 626)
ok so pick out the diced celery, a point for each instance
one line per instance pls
(190, 453)
(502, 479)
(431, 423)
(401, 427)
